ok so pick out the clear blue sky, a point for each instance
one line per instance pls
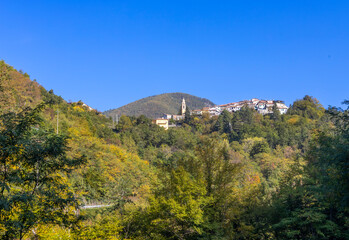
(110, 53)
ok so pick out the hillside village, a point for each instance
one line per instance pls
(261, 106)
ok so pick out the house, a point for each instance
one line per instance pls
(261, 106)
(282, 107)
(237, 107)
(215, 111)
(161, 122)
(254, 101)
(88, 107)
(196, 112)
(167, 116)
(177, 117)
(205, 110)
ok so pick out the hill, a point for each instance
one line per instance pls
(156, 106)
(17, 90)
(83, 126)
(240, 175)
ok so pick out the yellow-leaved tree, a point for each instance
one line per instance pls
(33, 185)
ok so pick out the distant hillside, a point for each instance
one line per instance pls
(17, 90)
(84, 128)
(156, 106)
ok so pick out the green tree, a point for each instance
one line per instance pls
(187, 116)
(219, 167)
(276, 115)
(259, 147)
(308, 107)
(175, 211)
(33, 169)
(316, 206)
(124, 124)
(227, 125)
(105, 227)
(224, 123)
(246, 114)
(301, 216)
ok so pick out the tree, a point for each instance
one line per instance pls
(276, 113)
(317, 206)
(180, 110)
(246, 114)
(218, 126)
(302, 216)
(124, 123)
(33, 169)
(259, 147)
(106, 228)
(143, 120)
(328, 165)
(175, 211)
(227, 125)
(187, 116)
(307, 107)
(220, 168)
(224, 123)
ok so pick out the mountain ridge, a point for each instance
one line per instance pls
(157, 105)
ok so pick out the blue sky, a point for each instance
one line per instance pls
(110, 53)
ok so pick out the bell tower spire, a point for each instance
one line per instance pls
(184, 106)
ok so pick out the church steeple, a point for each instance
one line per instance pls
(184, 106)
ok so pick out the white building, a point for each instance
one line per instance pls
(261, 106)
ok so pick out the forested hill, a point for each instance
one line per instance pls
(156, 106)
(239, 175)
(17, 90)
(28, 111)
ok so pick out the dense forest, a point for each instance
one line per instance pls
(158, 105)
(240, 175)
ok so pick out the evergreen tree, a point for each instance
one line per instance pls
(218, 126)
(276, 115)
(246, 114)
(180, 110)
(223, 123)
(187, 116)
(227, 125)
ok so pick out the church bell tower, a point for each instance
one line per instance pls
(184, 106)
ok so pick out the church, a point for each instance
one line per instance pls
(177, 117)
(163, 122)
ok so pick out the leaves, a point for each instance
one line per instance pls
(34, 167)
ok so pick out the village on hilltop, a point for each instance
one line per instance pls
(261, 106)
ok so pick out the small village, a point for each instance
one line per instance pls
(261, 106)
